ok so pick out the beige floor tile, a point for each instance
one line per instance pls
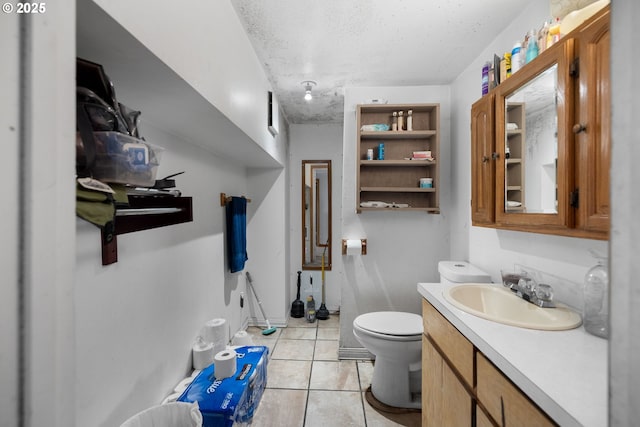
(300, 322)
(341, 375)
(294, 349)
(299, 333)
(328, 333)
(326, 350)
(375, 418)
(292, 374)
(332, 322)
(365, 373)
(334, 408)
(271, 410)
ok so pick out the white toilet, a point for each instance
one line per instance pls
(395, 339)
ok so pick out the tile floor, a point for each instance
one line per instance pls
(307, 386)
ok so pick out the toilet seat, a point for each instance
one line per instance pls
(391, 325)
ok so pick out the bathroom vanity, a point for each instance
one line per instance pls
(477, 372)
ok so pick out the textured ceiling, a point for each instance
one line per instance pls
(342, 43)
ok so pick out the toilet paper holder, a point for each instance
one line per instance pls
(364, 246)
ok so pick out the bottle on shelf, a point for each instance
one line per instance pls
(532, 46)
(400, 120)
(394, 123)
(485, 77)
(410, 120)
(516, 57)
(381, 151)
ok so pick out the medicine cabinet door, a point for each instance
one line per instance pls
(533, 155)
(592, 127)
(482, 161)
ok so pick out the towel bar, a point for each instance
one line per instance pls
(224, 199)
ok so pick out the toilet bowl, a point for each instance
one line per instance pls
(395, 338)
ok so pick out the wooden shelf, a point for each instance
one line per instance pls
(144, 213)
(399, 189)
(428, 210)
(397, 135)
(394, 179)
(415, 163)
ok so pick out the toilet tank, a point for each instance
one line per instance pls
(461, 272)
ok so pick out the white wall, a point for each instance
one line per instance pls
(403, 248)
(102, 343)
(492, 249)
(10, 225)
(624, 342)
(316, 142)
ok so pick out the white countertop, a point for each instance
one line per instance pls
(563, 372)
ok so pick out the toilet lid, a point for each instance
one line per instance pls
(390, 323)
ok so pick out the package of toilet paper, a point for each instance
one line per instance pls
(224, 402)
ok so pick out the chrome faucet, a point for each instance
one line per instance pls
(538, 294)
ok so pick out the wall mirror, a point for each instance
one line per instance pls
(316, 214)
(531, 146)
(534, 175)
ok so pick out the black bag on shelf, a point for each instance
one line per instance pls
(108, 145)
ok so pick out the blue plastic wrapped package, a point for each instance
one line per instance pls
(234, 399)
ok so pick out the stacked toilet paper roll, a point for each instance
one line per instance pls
(216, 331)
(224, 364)
(203, 353)
(242, 338)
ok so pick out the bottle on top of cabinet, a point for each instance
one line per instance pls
(532, 46)
(516, 57)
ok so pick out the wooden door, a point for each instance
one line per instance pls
(593, 129)
(483, 183)
(445, 401)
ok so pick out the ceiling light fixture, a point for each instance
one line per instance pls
(308, 84)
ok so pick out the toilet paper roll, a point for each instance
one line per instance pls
(224, 364)
(182, 385)
(216, 331)
(354, 247)
(242, 338)
(203, 353)
(171, 398)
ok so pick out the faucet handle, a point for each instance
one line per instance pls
(544, 292)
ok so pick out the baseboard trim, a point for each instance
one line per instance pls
(357, 353)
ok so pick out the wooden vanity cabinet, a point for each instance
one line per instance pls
(461, 387)
(582, 161)
(506, 404)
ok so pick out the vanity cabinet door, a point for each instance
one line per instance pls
(592, 129)
(483, 174)
(506, 404)
(445, 401)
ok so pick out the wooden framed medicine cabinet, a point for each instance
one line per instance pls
(540, 141)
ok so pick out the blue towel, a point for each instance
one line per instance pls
(237, 233)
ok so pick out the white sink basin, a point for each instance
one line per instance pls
(493, 302)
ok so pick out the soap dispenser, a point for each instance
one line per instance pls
(596, 299)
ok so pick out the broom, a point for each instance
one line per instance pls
(269, 329)
(323, 313)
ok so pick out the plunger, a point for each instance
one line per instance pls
(322, 313)
(297, 307)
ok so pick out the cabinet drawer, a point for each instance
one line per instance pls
(504, 401)
(451, 342)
